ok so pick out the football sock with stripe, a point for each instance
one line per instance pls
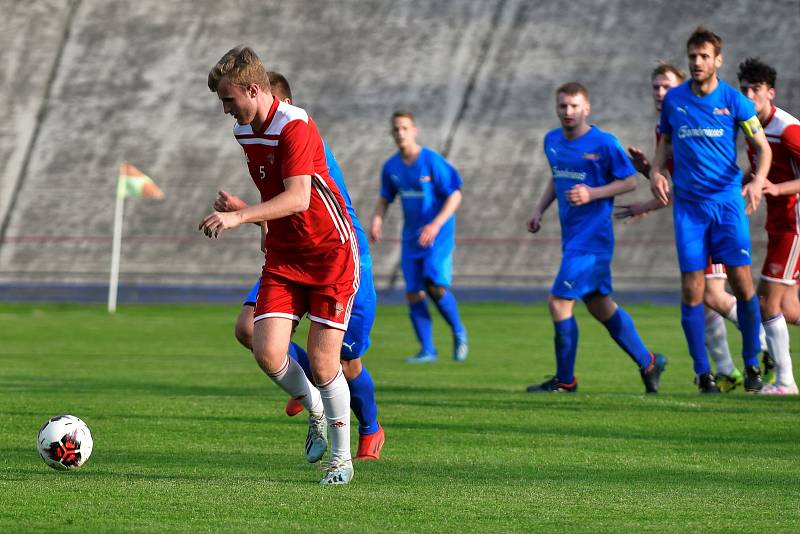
(293, 381)
(778, 346)
(336, 399)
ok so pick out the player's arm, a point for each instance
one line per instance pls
(547, 198)
(295, 198)
(791, 142)
(637, 210)
(428, 233)
(763, 159)
(583, 194)
(659, 184)
(376, 228)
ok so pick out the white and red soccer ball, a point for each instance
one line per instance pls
(64, 442)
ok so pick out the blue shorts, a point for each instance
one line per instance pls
(582, 275)
(420, 264)
(719, 230)
(356, 339)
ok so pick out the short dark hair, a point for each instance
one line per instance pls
(573, 88)
(754, 70)
(663, 68)
(403, 113)
(279, 85)
(703, 35)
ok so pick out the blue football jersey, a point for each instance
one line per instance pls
(423, 187)
(594, 159)
(361, 236)
(703, 130)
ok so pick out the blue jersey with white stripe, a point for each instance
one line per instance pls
(361, 236)
(703, 130)
(423, 187)
(594, 159)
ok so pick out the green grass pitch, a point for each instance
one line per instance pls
(190, 436)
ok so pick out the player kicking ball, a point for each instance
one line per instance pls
(589, 168)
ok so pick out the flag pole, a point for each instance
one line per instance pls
(116, 248)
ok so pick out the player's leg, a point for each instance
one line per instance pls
(362, 388)
(716, 299)
(418, 311)
(438, 275)
(730, 244)
(279, 306)
(778, 280)
(566, 288)
(244, 322)
(791, 306)
(691, 222)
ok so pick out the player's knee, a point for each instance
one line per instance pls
(351, 368)
(436, 292)
(243, 330)
(415, 296)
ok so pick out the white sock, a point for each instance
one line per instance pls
(336, 399)
(778, 345)
(733, 317)
(716, 337)
(293, 381)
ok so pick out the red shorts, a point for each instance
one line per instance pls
(323, 287)
(715, 270)
(782, 263)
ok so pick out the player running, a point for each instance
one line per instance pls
(589, 168)
(699, 122)
(312, 266)
(356, 338)
(718, 302)
(782, 263)
(430, 190)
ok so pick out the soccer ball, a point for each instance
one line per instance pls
(64, 442)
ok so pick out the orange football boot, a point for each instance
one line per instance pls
(293, 407)
(370, 445)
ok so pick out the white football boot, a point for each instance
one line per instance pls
(316, 441)
(338, 471)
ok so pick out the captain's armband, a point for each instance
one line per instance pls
(751, 126)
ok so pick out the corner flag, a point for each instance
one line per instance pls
(131, 183)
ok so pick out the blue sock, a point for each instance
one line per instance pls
(423, 326)
(749, 314)
(299, 355)
(693, 323)
(620, 326)
(566, 341)
(362, 402)
(448, 307)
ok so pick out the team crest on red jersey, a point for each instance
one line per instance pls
(271, 158)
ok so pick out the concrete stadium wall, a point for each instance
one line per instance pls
(127, 80)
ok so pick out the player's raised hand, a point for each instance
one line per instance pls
(579, 195)
(535, 222)
(428, 235)
(227, 202)
(640, 162)
(659, 186)
(217, 222)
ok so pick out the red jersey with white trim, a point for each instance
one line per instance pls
(783, 133)
(289, 144)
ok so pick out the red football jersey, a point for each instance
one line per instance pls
(289, 144)
(783, 133)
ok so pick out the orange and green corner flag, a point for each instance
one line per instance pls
(134, 183)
